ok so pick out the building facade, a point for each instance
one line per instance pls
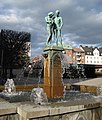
(93, 56)
(77, 56)
(85, 55)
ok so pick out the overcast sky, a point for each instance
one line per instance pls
(82, 20)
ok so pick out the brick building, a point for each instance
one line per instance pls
(76, 55)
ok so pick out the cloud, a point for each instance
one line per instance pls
(82, 20)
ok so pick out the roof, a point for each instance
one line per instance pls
(100, 50)
(36, 58)
(78, 50)
(87, 49)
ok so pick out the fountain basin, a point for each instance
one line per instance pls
(16, 97)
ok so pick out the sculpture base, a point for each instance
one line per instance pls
(53, 85)
(54, 92)
(53, 47)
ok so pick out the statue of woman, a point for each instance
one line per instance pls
(49, 21)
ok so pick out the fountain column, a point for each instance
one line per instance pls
(53, 85)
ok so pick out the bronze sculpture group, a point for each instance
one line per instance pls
(54, 26)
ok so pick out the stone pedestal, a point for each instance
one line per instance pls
(53, 85)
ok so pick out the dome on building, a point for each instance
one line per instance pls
(67, 47)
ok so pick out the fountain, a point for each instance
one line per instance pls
(52, 65)
(69, 102)
(41, 65)
(52, 100)
(99, 90)
(9, 87)
(38, 96)
(10, 94)
(54, 68)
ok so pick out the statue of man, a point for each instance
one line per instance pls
(58, 23)
(49, 20)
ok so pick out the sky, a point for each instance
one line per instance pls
(82, 21)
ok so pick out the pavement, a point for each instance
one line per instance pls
(97, 82)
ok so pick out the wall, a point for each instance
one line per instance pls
(56, 111)
(93, 114)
